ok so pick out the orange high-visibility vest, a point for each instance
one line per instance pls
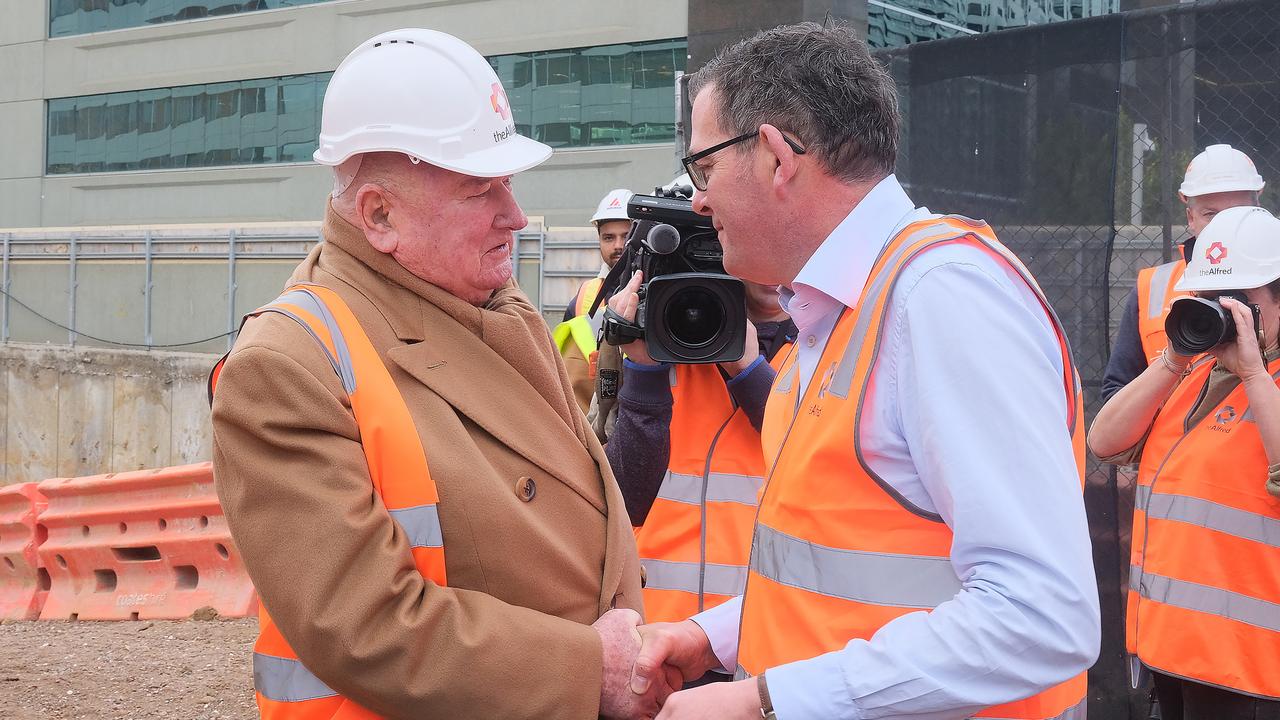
(587, 295)
(1155, 294)
(397, 462)
(836, 555)
(696, 540)
(1204, 581)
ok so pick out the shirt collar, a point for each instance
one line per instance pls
(840, 266)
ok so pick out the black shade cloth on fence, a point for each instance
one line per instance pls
(1071, 139)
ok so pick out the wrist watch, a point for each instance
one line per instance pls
(766, 705)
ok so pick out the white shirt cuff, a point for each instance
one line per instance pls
(720, 623)
(812, 689)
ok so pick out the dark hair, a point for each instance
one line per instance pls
(818, 83)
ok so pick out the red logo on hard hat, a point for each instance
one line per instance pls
(1216, 253)
(499, 101)
(616, 203)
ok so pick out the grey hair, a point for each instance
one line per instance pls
(817, 83)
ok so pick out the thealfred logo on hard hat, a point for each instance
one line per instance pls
(615, 203)
(1216, 253)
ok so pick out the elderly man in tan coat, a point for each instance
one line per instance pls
(529, 526)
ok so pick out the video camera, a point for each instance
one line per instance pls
(690, 311)
(1195, 324)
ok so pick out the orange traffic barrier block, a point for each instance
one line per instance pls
(23, 580)
(150, 544)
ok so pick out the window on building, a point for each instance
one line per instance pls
(75, 17)
(587, 97)
(893, 23)
(247, 122)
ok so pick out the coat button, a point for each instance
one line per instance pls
(526, 489)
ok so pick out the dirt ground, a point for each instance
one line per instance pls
(187, 670)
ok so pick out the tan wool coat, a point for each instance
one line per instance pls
(537, 540)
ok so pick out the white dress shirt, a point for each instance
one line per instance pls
(966, 420)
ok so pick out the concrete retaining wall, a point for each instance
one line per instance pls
(81, 411)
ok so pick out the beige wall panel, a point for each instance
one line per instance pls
(24, 21)
(192, 436)
(264, 193)
(22, 140)
(31, 447)
(85, 397)
(567, 188)
(143, 421)
(22, 77)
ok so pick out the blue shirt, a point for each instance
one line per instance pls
(967, 420)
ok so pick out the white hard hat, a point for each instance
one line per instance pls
(613, 206)
(1220, 168)
(1238, 250)
(428, 95)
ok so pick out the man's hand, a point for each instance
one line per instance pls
(718, 701)
(626, 302)
(620, 641)
(681, 646)
(750, 352)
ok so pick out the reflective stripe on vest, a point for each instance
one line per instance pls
(286, 689)
(1155, 293)
(587, 295)
(838, 553)
(696, 539)
(1204, 601)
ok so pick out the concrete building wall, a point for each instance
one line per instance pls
(67, 412)
(273, 43)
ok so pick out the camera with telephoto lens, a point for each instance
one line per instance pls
(1197, 324)
(690, 311)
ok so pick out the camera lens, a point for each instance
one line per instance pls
(1196, 324)
(694, 316)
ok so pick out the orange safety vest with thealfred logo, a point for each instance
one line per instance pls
(587, 295)
(696, 539)
(837, 554)
(1155, 295)
(397, 463)
(1204, 580)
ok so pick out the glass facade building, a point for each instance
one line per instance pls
(893, 23)
(73, 17)
(610, 95)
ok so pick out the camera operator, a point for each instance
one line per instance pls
(686, 452)
(1206, 547)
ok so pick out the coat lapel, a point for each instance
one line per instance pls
(497, 398)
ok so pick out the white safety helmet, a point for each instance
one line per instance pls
(1220, 168)
(1238, 250)
(428, 95)
(613, 206)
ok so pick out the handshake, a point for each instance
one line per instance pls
(646, 665)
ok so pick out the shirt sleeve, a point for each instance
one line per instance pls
(971, 364)
(1127, 360)
(640, 446)
(721, 623)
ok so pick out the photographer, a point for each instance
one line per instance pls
(1206, 533)
(687, 455)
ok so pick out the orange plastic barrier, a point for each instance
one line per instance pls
(151, 544)
(23, 580)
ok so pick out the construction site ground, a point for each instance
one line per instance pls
(192, 670)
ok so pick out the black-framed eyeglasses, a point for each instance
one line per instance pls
(699, 176)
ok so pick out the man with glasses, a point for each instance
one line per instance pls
(921, 548)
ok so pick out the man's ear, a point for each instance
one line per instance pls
(373, 208)
(786, 161)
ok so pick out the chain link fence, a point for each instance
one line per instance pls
(1071, 139)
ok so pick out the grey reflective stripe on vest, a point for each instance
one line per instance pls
(308, 301)
(421, 524)
(683, 576)
(285, 680)
(1205, 599)
(1209, 515)
(1158, 293)
(786, 382)
(1079, 711)
(721, 487)
(909, 581)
